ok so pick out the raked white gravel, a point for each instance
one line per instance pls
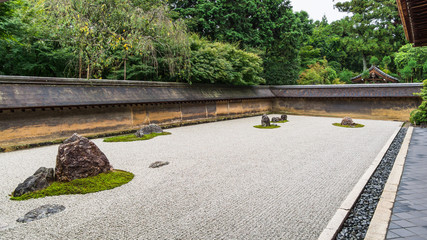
(225, 180)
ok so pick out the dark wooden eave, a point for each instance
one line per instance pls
(375, 76)
(414, 19)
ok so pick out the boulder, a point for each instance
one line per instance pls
(158, 164)
(152, 128)
(347, 121)
(276, 119)
(42, 178)
(284, 117)
(265, 120)
(41, 212)
(78, 157)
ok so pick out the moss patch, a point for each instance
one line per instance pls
(100, 182)
(132, 137)
(347, 126)
(269, 127)
(283, 121)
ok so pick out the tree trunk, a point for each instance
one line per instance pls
(88, 72)
(365, 65)
(125, 70)
(80, 65)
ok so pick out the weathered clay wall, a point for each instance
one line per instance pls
(397, 109)
(24, 126)
(369, 101)
(35, 110)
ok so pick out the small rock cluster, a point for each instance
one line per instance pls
(78, 157)
(357, 223)
(265, 120)
(279, 119)
(152, 128)
(276, 119)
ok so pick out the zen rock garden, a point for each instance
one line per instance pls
(178, 185)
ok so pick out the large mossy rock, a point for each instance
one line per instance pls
(42, 178)
(265, 120)
(152, 128)
(347, 121)
(78, 157)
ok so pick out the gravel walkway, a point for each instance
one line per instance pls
(225, 180)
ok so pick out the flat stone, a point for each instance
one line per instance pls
(158, 164)
(41, 212)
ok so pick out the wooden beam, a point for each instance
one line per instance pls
(403, 12)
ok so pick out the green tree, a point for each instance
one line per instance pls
(326, 41)
(28, 48)
(223, 63)
(374, 61)
(105, 33)
(419, 116)
(319, 73)
(6, 12)
(346, 76)
(374, 28)
(410, 62)
(270, 26)
(386, 61)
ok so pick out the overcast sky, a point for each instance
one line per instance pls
(317, 8)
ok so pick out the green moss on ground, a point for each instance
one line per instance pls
(347, 126)
(269, 127)
(100, 182)
(132, 137)
(284, 121)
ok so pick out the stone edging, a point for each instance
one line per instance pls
(338, 219)
(380, 221)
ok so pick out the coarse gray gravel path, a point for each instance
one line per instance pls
(225, 180)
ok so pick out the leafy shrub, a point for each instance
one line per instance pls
(346, 76)
(419, 116)
(224, 63)
(319, 73)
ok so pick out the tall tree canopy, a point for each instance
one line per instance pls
(270, 26)
(373, 29)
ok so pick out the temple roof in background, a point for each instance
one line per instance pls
(375, 76)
